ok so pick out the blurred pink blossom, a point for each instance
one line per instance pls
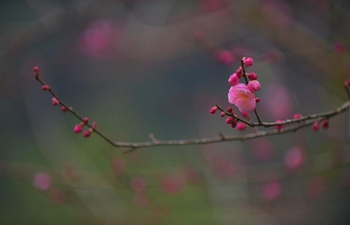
(293, 158)
(100, 38)
(272, 190)
(118, 166)
(42, 181)
(225, 57)
(242, 97)
(279, 104)
(223, 168)
(171, 184)
(138, 184)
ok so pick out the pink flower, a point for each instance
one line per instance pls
(87, 133)
(254, 86)
(233, 80)
(242, 97)
(315, 126)
(297, 116)
(42, 181)
(248, 62)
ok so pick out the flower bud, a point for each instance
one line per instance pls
(254, 86)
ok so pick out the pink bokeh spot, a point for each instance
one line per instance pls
(225, 57)
(272, 190)
(242, 97)
(42, 181)
(138, 184)
(171, 184)
(294, 158)
(118, 166)
(280, 105)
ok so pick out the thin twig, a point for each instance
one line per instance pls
(246, 81)
(132, 146)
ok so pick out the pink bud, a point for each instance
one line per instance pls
(325, 123)
(86, 120)
(222, 114)
(257, 100)
(94, 125)
(247, 61)
(252, 76)
(279, 127)
(316, 126)
(87, 134)
(229, 120)
(55, 101)
(241, 126)
(213, 110)
(254, 86)
(64, 109)
(36, 71)
(297, 116)
(229, 109)
(233, 80)
(239, 72)
(347, 83)
(78, 128)
(234, 124)
(245, 114)
(45, 87)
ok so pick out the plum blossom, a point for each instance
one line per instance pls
(242, 97)
(42, 181)
(272, 190)
(294, 158)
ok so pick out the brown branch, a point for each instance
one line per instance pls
(246, 81)
(132, 146)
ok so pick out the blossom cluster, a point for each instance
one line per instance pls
(241, 95)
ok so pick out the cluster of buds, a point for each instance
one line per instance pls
(55, 101)
(323, 123)
(79, 128)
(231, 119)
(240, 94)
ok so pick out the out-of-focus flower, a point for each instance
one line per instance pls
(272, 190)
(293, 158)
(42, 181)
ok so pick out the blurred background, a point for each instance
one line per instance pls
(157, 66)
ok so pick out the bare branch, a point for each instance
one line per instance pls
(132, 146)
